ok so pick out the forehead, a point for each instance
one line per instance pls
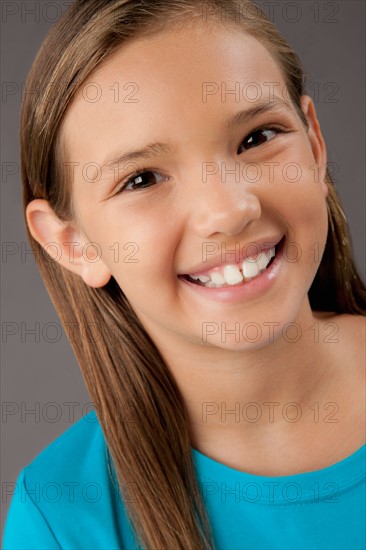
(177, 77)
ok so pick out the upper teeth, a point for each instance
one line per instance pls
(232, 274)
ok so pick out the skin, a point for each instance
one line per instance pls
(171, 219)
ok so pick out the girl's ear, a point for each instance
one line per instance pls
(316, 140)
(66, 244)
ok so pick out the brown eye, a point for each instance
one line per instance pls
(141, 180)
(260, 136)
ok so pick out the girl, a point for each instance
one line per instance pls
(223, 310)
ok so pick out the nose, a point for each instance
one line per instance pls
(218, 206)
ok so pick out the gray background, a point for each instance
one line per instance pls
(39, 371)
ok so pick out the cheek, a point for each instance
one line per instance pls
(136, 248)
(298, 196)
(310, 222)
(301, 180)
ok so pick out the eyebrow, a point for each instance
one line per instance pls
(153, 149)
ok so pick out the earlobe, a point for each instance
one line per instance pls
(73, 251)
(95, 276)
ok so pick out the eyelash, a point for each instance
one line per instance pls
(146, 170)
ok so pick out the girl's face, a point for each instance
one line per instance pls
(211, 189)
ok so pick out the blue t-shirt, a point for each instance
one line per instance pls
(65, 498)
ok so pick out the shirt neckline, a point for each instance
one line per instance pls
(323, 484)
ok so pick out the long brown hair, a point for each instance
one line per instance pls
(139, 406)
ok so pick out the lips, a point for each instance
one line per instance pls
(225, 281)
(246, 291)
(250, 250)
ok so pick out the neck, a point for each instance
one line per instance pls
(234, 395)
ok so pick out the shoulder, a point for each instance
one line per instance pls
(352, 335)
(350, 368)
(353, 321)
(345, 337)
(349, 330)
(65, 497)
(75, 452)
(351, 345)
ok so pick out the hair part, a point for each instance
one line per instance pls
(122, 368)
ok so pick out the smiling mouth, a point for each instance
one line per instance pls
(245, 280)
